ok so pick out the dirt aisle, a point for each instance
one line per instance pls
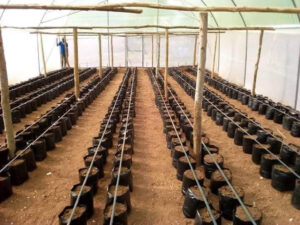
(156, 198)
(40, 199)
(275, 205)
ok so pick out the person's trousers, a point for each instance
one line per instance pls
(63, 60)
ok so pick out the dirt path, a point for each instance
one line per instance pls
(156, 198)
(275, 205)
(42, 197)
(277, 128)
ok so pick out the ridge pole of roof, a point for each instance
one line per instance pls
(76, 72)
(100, 55)
(166, 62)
(195, 51)
(199, 87)
(214, 56)
(152, 47)
(5, 102)
(257, 62)
(43, 55)
(112, 51)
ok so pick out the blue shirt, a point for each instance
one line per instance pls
(62, 48)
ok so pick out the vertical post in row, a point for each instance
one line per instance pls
(5, 102)
(199, 87)
(100, 55)
(112, 51)
(166, 62)
(257, 61)
(126, 51)
(142, 50)
(195, 51)
(152, 51)
(43, 56)
(158, 54)
(214, 57)
(76, 71)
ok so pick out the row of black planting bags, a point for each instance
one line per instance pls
(209, 177)
(96, 158)
(35, 83)
(30, 103)
(254, 142)
(279, 113)
(36, 139)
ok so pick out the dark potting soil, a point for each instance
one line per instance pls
(255, 212)
(125, 157)
(205, 215)
(199, 174)
(121, 190)
(94, 171)
(195, 190)
(179, 148)
(89, 158)
(78, 212)
(184, 159)
(217, 176)
(84, 190)
(281, 168)
(218, 158)
(120, 208)
(123, 170)
(226, 191)
(271, 157)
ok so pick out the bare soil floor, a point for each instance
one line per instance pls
(29, 119)
(40, 199)
(276, 206)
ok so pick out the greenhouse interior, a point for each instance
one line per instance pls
(150, 112)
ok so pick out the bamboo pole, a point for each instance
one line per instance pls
(100, 55)
(142, 51)
(166, 62)
(112, 51)
(158, 54)
(195, 51)
(152, 50)
(214, 57)
(126, 51)
(5, 102)
(199, 87)
(257, 62)
(119, 7)
(43, 55)
(76, 72)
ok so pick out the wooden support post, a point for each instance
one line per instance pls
(143, 51)
(257, 62)
(199, 87)
(214, 57)
(126, 51)
(166, 62)
(112, 51)
(76, 71)
(100, 55)
(195, 51)
(152, 50)
(158, 54)
(43, 56)
(5, 102)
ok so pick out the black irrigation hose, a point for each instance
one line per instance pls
(220, 169)
(122, 153)
(96, 151)
(276, 157)
(252, 97)
(27, 147)
(188, 160)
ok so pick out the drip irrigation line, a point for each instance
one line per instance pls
(187, 157)
(122, 154)
(53, 124)
(224, 176)
(96, 151)
(253, 97)
(246, 117)
(276, 157)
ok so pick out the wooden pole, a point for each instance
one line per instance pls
(126, 51)
(166, 62)
(158, 54)
(142, 51)
(112, 51)
(214, 57)
(43, 56)
(152, 51)
(195, 51)
(100, 55)
(257, 62)
(199, 88)
(76, 72)
(5, 102)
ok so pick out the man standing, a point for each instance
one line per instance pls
(62, 49)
